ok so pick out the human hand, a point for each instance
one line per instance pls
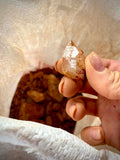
(103, 80)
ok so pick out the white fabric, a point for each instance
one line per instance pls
(33, 32)
(44, 143)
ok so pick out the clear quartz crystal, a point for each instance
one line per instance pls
(73, 65)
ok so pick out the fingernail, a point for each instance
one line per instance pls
(96, 62)
(72, 111)
(96, 134)
(61, 86)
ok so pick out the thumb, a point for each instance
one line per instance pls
(103, 80)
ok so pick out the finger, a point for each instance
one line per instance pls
(93, 135)
(58, 65)
(79, 106)
(69, 87)
(102, 77)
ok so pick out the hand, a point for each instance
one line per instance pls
(103, 80)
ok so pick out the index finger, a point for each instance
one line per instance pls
(58, 65)
(69, 87)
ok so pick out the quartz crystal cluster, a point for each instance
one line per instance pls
(73, 62)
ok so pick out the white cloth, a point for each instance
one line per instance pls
(23, 140)
(33, 33)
